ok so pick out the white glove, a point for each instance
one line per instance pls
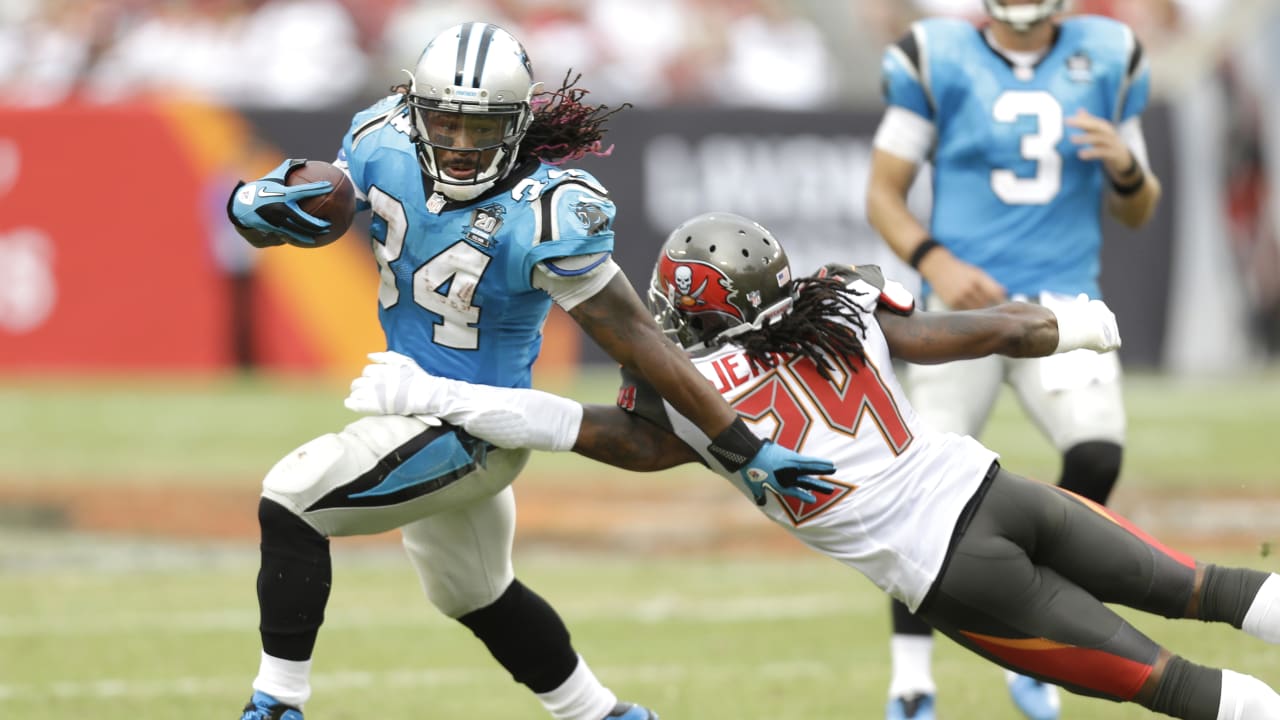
(394, 384)
(1084, 323)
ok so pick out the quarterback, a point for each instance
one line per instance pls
(1032, 126)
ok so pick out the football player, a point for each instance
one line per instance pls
(475, 235)
(1032, 125)
(1016, 570)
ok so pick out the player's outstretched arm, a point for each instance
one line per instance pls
(1012, 329)
(617, 320)
(266, 212)
(613, 436)
(516, 417)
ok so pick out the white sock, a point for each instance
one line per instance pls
(1263, 618)
(288, 681)
(912, 657)
(1245, 697)
(580, 697)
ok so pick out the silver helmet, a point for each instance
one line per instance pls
(470, 107)
(718, 275)
(1023, 16)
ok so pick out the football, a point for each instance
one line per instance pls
(337, 206)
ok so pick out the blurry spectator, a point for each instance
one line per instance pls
(191, 47)
(412, 25)
(643, 46)
(46, 49)
(302, 54)
(556, 32)
(773, 58)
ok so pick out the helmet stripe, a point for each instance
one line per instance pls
(471, 56)
(463, 34)
(482, 53)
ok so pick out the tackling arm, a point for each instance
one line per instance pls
(1012, 329)
(617, 320)
(613, 436)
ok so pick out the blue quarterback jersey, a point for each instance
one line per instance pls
(1009, 193)
(456, 292)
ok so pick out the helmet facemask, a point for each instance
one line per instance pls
(1023, 17)
(470, 106)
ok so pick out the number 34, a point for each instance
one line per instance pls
(460, 267)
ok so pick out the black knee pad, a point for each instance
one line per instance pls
(293, 582)
(1090, 469)
(526, 636)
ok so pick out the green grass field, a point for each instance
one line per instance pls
(126, 628)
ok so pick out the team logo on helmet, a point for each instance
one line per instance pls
(697, 287)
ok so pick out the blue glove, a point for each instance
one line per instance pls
(762, 463)
(265, 212)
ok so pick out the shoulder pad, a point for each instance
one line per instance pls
(890, 294)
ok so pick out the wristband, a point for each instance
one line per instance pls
(917, 255)
(735, 445)
(1133, 166)
(1130, 188)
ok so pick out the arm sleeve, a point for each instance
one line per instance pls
(572, 280)
(904, 134)
(1131, 133)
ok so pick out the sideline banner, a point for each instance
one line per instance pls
(116, 256)
(103, 251)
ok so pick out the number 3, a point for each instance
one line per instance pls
(1040, 147)
(459, 267)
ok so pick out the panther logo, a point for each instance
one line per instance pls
(592, 215)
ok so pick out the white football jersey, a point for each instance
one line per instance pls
(901, 488)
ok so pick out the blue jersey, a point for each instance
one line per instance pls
(456, 292)
(1009, 193)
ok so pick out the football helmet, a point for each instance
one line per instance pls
(718, 275)
(1022, 17)
(469, 102)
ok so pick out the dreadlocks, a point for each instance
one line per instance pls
(563, 128)
(824, 322)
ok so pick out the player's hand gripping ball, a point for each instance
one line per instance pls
(337, 207)
(305, 203)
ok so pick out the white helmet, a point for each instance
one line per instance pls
(470, 107)
(1022, 17)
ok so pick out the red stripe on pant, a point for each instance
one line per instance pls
(1102, 672)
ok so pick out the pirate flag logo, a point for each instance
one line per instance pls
(697, 287)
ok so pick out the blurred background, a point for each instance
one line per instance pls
(124, 123)
(153, 366)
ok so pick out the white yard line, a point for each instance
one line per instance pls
(331, 681)
(653, 610)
